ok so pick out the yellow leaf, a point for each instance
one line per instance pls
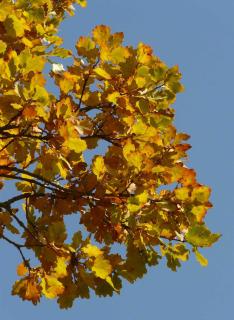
(27, 42)
(102, 267)
(101, 34)
(51, 287)
(98, 167)
(86, 47)
(118, 55)
(22, 270)
(199, 212)
(182, 193)
(3, 46)
(76, 144)
(82, 3)
(145, 53)
(112, 97)
(14, 26)
(133, 157)
(60, 270)
(102, 73)
(128, 148)
(201, 259)
(5, 9)
(62, 170)
(92, 251)
(139, 128)
(66, 85)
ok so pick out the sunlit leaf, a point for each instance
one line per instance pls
(22, 270)
(200, 236)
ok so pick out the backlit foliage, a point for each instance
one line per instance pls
(114, 96)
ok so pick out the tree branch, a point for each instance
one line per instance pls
(19, 248)
(32, 174)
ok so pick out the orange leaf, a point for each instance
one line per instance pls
(22, 270)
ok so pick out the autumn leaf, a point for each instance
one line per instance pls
(101, 267)
(98, 167)
(27, 289)
(60, 271)
(200, 236)
(51, 287)
(14, 26)
(82, 3)
(92, 251)
(22, 270)
(201, 259)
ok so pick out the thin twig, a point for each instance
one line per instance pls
(19, 248)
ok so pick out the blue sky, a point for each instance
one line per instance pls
(198, 35)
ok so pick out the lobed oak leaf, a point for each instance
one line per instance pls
(200, 236)
(101, 35)
(145, 53)
(27, 289)
(57, 232)
(70, 292)
(135, 265)
(201, 193)
(188, 177)
(51, 287)
(86, 47)
(117, 55)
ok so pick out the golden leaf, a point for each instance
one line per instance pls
(101, 267)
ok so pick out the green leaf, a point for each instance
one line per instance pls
(76, 239)
(60, 52)
(201, 193)
(200, 236)
(57, 232)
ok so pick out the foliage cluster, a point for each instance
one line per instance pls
(113, 93)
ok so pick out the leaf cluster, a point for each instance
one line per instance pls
(110, 93)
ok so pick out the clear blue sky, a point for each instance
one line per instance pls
(198, 35)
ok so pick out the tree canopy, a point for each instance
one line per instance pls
(132, 204)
